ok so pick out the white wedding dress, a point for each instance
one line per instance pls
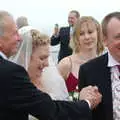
(53, 83)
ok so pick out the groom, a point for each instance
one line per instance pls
(19, 97)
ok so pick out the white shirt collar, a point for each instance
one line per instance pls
(111, 61)
(3, 55)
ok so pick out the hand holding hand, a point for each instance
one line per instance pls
(91, 94)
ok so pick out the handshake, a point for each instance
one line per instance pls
(91, 95)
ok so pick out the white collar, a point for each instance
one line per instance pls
(111, 61)
(3, 55)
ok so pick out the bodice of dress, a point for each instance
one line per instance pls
(71, 83)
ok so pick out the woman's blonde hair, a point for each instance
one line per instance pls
(74, 42)
(39, 39)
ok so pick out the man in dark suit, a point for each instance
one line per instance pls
(19, 97)
(64, 34)
(104, 71)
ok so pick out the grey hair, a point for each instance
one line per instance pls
(3, 14)
(76, 12)
(21, 22)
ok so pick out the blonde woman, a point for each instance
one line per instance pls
(86, 44)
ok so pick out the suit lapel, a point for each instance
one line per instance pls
(68, 31)
(107, 90)
(65, 36)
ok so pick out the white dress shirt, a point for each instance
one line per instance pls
(3, 55)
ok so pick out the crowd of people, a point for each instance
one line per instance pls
(84, 85)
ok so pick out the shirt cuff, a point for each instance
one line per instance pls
(89, 104)
(56, 35)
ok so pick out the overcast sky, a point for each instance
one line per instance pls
(43, 14)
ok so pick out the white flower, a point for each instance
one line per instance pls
(70, 98)
(75, 95)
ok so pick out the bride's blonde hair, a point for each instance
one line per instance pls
(39, 39)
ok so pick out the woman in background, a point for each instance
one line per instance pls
(86, 44)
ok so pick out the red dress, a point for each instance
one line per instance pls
(72, 83)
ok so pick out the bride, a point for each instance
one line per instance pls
(33, 54)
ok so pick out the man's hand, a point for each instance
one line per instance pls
(56, 31)
(91, 94)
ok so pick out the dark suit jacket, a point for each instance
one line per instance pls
(19, 97)
(96, 72)
(63, 38)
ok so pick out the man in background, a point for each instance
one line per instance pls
(63, 36)
(23, 24)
